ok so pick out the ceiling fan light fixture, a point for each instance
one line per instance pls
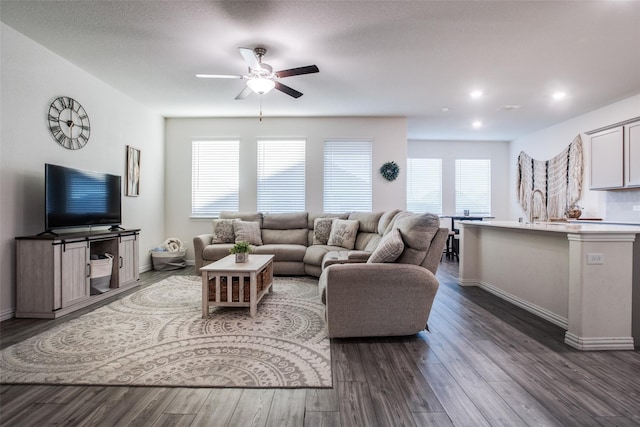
(261, 85)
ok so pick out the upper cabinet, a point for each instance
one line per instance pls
(632, 154)
(615, 156)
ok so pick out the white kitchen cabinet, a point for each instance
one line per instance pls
(615, 156)
(632, 154)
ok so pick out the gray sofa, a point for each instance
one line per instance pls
(289, 237)
(362, 298)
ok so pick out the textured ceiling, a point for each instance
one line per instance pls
(376, 58)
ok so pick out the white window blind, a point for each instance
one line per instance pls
(424, 185)
(347, 176)
(215, 173)
(281, 176)
(473, 186)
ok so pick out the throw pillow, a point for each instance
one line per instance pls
(223, 231)
(321, 230)
(389, 248)
(343, 233)
(247, 231)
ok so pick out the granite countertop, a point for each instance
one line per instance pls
(579, 227)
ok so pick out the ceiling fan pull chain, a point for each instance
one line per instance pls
(260, 107)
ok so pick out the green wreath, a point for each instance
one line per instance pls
(390, 171)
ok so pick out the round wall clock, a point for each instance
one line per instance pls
(390, 171)
(69, 123)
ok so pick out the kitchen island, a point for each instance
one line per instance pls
(580, 277)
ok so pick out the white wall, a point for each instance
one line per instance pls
(32, 77)
(547, 143)
(449, 151)
(389, 137)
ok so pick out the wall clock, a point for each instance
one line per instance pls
(390, 171)
(69, 123)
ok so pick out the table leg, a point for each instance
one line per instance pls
(253, 282)
(205, 295)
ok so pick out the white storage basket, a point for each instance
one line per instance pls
(164, 260)
(101, 274)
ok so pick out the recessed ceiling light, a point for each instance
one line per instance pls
(559, 95)
(445, 109)
(476, 124)
(476, 94)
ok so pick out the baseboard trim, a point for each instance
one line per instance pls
(563, 322)
(598, 343)
(7, 313)
(145, 268)
(468, 282)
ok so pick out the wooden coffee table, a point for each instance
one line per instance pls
(226, 273)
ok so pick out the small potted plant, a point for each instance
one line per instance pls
(242, 250)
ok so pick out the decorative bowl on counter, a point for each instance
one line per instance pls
(573, 211)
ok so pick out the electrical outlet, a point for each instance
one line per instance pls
(593, 258)
(636, 208)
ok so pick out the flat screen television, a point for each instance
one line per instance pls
(80, 198)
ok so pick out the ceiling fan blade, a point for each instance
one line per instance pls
(309, 69)
(218, 76)
(289, 91)
(250, 58)
(245, 92)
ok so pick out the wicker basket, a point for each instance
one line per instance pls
(263, 280)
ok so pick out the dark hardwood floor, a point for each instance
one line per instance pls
(485, 362)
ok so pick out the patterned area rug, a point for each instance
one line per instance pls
(157, 337)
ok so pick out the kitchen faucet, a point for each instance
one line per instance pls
(544, 202)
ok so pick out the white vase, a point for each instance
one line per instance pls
(242, 257)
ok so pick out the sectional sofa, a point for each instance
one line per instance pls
(376, 270)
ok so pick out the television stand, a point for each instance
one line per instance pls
(53, 271)
(47, 232)
(116, 228)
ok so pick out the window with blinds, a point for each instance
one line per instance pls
(473, 186)
(347, 176)
(281, 175)
(424, 185)
(215, 177)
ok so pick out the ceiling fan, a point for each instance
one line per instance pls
(261, 78)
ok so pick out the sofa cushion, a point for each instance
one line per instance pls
(213, 253)
(223, 231)
(368, 221)
(282, 252)
(247, 231)
(343, 233)
(288, 237)
(284, 221)
(417, 231)
(321, 230)
(385, 220)
(389, 248)
(312, 217)
(315, 254)
(367, 241)
(244, 216)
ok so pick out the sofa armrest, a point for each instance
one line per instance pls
(199, 243)
(358, 256)
(377, 299)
